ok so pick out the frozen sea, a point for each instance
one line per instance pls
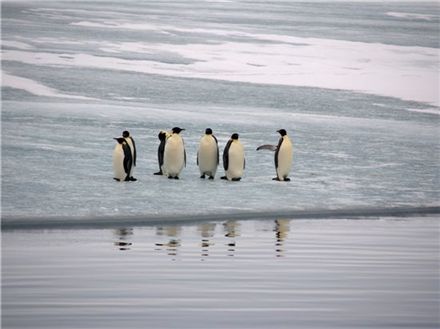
(356, 86)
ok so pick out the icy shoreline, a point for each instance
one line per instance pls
(74, 222)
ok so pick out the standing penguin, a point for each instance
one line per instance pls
(283, 155)
(163, 135)
(130, 141)
(122, 160)
(174, 157)
(233, 159)
(208, 155)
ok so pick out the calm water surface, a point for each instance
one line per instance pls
(380, 273)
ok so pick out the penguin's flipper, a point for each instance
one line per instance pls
(267, 147)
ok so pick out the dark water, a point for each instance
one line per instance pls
(341, 273)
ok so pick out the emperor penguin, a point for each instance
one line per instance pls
(208, 155)
(233, 159)
(130, 141)
(122, 160)
(163, 135)
(283, 156)
(174, 156)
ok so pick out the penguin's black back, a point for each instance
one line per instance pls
(127, 157)
(226, 155)
(161, 151)
(218, 154)
(134, 150)
(278, 151)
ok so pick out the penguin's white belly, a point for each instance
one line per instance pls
(236, 161)
(285, 157)
(208, 156)
(118, 163)
(174, 156)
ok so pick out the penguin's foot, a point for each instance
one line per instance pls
(236, 179)
(224, 177)
(203, 176)
(276, 178)
(170, 177)
(133, 179)
(116, 179)
(287, 179)
(211, 177)
(159, 173)
(176, 177)
(127, 179)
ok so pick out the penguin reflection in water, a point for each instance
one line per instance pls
(174, 157)
(208, 155)
(122, 160)
(129, 139)
(283, 155)
(233, 159)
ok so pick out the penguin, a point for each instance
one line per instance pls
(130, 141)
(283, 155)
(208, 155)
(122, 160)
(174, 156)
(163, 135)
(233, 159)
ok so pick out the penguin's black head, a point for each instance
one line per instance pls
(120, 140)
(162, 135)
(125, 134)
(177, 130)
(282, 132)
(234, 136)
(208, 131)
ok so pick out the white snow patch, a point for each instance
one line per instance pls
(33, 87)
(425, 17)
(16, 44)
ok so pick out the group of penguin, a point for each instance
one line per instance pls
(171, 156)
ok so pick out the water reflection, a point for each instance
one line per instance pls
(123, 238)
(206, 231)
(172, 239)
(209, 239)
(282, 227)
(232, 230)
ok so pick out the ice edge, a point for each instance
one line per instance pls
(75, 222)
